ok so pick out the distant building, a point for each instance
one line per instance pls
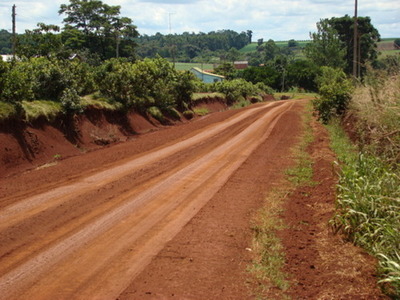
(206, 77)
(240, 65)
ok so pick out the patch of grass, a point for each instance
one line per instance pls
(171, 112)
(207, 96)
(7, 110)
(270, 257)
(302, 173)
(296, 95)
(201, 111)
(368, 206)
(240, 104)
(41, 108)
(268, 264)
(156, 113)
(99, 102)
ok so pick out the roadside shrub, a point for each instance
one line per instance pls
(185, 86)
(18, 83)
(236, 89)
(334, 93)
(51, 78)
(266, 74)
(70, 101)
(146, 83)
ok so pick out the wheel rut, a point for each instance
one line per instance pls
(92, 236)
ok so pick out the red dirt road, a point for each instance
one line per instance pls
(87, 233)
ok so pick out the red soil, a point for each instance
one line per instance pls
(208, 257)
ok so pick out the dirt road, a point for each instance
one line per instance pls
(89, 234)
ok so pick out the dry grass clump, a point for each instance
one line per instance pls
(376, 106)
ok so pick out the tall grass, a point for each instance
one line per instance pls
(376, 107)
(368, 193)
(7, 110)
(368, 206)
(41, 108)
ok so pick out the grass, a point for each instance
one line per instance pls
(98, 102)
(7, 110)
(267, 267)
(376, 107)
(201, 111)
(156, 113)
(240, 104)
(41, 108)
(207, 96)
(368, 206)
(296, 95)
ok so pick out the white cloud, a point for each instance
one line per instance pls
(276, 19)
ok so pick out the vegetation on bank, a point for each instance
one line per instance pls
(368, 193)
(47, 87)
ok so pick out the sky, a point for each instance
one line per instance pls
(268, 19)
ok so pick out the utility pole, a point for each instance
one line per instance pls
(170, 33)
(14, 39)
(355, 39)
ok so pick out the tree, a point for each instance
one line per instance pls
(5, 42)
(326, 48)
(249, 35)
(292, 43)
(333, 44)
(368, 36)
(101, 27)
(397, 43)
(233, 54)
(302, 74)
(271, 50)
(42, 41)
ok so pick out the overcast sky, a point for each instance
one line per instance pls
(268, 19)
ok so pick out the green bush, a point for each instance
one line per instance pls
(236, 89)
(70, 101)
(334, 90)
(146, 83)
